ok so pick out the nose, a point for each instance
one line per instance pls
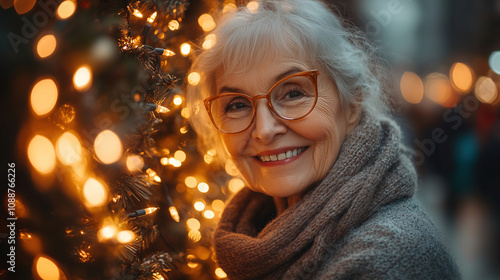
(267, 126)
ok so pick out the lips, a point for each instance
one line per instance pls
(282, 155)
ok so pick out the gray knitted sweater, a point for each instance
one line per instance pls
(359, 222)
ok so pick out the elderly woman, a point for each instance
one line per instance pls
(292, 97)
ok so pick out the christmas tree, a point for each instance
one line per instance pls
(105, 181)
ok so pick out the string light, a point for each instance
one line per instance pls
(152, 174)
(174, 213)
(107, 232)
(136, 13)
(220, 273)
(161, 109)
(152, 17)
(125, 236)
(177, 100)
(164, 52)
(46, 46)
(142, 212)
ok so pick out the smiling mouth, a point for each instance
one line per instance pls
(282, 156)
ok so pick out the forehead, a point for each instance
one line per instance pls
(261, 76)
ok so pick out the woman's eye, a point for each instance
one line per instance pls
(294, 94)
(235, 106)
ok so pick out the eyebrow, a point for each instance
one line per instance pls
(287, 73)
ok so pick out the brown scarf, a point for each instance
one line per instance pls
(372, 170)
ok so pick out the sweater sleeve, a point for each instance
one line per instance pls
(399, 242)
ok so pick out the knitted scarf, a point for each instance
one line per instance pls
(371, 170)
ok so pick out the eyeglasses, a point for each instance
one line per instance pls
(291, 98)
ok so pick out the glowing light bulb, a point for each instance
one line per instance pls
(191, 182)
(108, 232)
(44, 96)
(185, 49)
(82, 78)
(152, 17)
(193, 224)
(194, 235)
(125, 236)
(174, 213)
(168, 53)
(108, 147)
(194, 78)
(206, 22)
(66, 9)
(412, 88)
(95, 193)
(68, 149)
(137, 13)
(47, 269)
(220, 273)
(41, 154)
(46, 46)
(461, 77)
(160, 109)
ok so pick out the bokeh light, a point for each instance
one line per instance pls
(173, 25)
(68, 149)
(180, 155)
(220, 273)
(206, 22)
(253, 6)
(209, 214)
(218, 205)
(95, 193)
(461, 77)
(47, 269)
(185, 49)
(229, 8)
(412, 87)
(107, 232)
(134, 163)
(44, 96)
(191, 182)
(209, 42)
(125, 236)
(194, 78)
(177, 100)
(46, 45)
(24, 6)
(199, 205)
(193, 224)
(41, 154)
(437, 87)
(82, 78)
(235, 185)
(486, 90)
(174, 213)
(194, 235)
(494, 61)
(108, 147)
(203, 187)
(230, 168)
(66, 9)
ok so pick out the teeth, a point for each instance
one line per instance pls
(282, 156)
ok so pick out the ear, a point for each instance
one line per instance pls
(353, 115)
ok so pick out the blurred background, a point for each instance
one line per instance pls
(445, 56)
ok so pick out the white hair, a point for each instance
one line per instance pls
(304, 29)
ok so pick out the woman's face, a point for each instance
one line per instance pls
(316, 138)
